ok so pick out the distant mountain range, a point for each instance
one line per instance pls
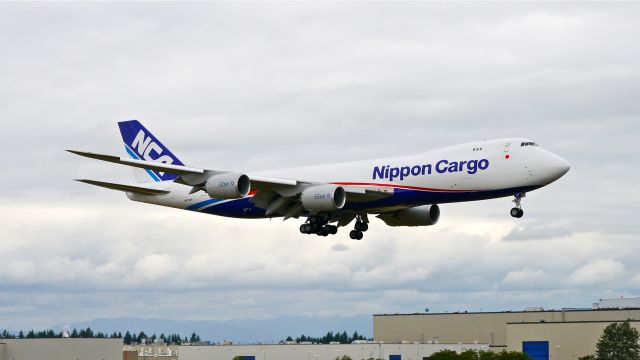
(238, 331)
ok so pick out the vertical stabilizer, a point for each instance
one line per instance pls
(140, 144)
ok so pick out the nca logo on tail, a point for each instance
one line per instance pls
(144, 146)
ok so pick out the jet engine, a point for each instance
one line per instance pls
(323, 198)
(416, 216)
(228, 186)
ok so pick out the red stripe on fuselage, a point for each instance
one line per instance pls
(398, 186)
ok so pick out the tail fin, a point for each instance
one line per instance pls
(139, 143)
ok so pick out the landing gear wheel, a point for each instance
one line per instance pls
(333, 229)
(517, 213)
(307, 228)
(362, 226)
(303, 228)
(355, 235)
(324, 231)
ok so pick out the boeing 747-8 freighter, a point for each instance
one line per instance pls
(401, 191)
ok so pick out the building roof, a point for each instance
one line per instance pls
(509, 312)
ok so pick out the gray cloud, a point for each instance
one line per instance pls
(535, 231)
(240, 86)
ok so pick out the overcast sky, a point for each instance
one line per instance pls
(252, 86)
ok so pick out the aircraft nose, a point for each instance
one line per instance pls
(562, 166)
(565, 167)
(556, 167)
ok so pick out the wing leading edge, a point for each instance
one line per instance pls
(279, 197)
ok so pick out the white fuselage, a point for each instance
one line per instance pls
(473, 171)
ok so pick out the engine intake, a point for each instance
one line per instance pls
(323, 198)
(424, 215)
(228, 186)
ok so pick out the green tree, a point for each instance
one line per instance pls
(618, 341)
(587, 357)
(512, 355)
(343, 357)
(344, 338)
(468, 355)
(443, 355)
(482, 355)
(141, 336)
(127, 338)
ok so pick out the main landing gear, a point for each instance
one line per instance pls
(517, 211)
(360, 227)
(319, 226)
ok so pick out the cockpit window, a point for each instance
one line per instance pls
(528, 143)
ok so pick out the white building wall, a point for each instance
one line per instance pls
(321, 352)
(62, 349)
(618, 303)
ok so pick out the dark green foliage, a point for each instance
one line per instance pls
(588, 357)
(42, 334)
(141, 336)
(444, 355)
(482, 355)
(512, 355)
(468, 355)
(343, 357)
(127, 339)
(618, 341)
(341, 337)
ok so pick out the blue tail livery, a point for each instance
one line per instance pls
(140, 144)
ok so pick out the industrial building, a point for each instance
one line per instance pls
(565, 334)
(61, 349)
(543, 334)
(321, 351)
(557, 340)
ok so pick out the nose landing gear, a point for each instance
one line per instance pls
(517, 211)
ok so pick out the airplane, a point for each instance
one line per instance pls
(400, 191)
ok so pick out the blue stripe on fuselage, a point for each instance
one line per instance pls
(244, 208)
(200, 204)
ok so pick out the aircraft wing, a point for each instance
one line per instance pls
(189, 175)
(278, 196)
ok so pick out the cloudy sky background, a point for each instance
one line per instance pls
(256, 86)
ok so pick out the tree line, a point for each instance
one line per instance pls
(128, 338)
(341, 337)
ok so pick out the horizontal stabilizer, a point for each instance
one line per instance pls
(123, 187)
(157, 166)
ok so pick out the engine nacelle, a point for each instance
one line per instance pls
(424, 215)
(323, 198)
(228, 186)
